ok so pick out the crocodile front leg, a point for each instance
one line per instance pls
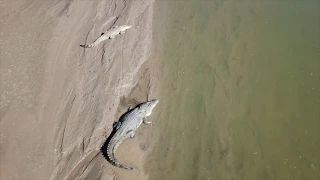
(145, 121)
(131, 133)
(116, 125)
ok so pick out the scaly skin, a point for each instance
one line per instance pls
(126, 127)
(110, 34)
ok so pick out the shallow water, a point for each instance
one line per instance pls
(241, 90)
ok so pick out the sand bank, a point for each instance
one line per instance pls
(58, 100)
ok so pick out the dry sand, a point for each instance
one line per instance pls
(58, 100)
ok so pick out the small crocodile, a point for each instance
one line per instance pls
(126, 127)
(110, 34)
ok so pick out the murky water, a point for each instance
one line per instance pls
(241, 90)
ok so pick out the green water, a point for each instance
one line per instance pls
(240, 92)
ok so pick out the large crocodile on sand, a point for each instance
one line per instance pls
(110, 34)
(126, 128)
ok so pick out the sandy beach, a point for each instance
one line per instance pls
(59, 100)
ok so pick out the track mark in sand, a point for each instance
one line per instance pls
(61, 164)
(63, 157)
(108, 21)
(79, 166)
(83, 163)
(63, 116)
(65, 124)
(66, 7)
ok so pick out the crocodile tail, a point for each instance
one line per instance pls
(111, 158)
(87, 46)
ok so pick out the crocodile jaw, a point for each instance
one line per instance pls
(125, 27)
(147, 107)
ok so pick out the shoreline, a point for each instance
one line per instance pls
(83, 91)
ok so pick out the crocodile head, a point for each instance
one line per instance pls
(125, 27)
(147, 107)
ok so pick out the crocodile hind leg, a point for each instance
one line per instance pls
(116, 125)
(131, 133)
(121, 32)
(145, 121)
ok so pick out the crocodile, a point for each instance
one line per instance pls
(126, 128)
(110, 34)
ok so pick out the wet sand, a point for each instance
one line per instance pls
(58, 100)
